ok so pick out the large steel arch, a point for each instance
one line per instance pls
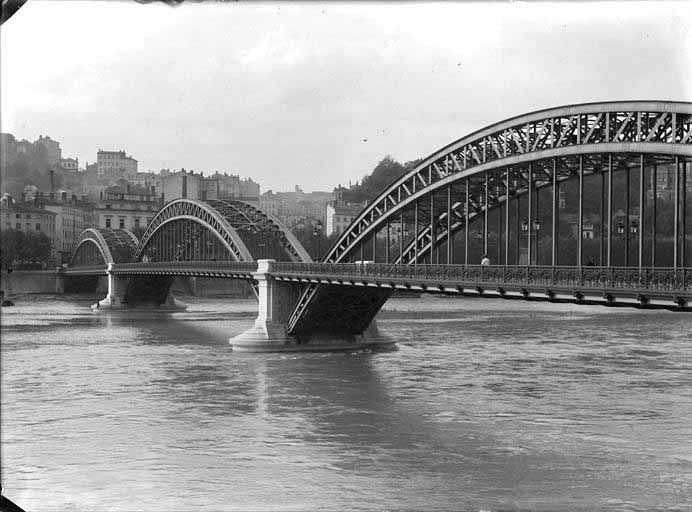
(216, 229)
(649, 128)
(96, 246)
(510, 159)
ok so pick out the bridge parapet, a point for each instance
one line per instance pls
(673, 279)
(231, 269)
(634, 286)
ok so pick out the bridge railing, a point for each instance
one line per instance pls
(592, 277)
(228, 266)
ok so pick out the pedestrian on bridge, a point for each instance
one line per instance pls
(485, 261)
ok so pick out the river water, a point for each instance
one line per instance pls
(486, 405)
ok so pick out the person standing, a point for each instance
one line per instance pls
(485, 261)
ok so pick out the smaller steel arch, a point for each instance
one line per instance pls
(244, 215)
(115, 245)
(203, 214)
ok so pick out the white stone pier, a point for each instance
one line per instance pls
(117, 287)
(277, 299)
(275, 305)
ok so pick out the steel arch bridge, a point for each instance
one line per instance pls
(547, 195)
(509, 166)
(183, 231)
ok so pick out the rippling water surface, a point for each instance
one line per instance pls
(486, 405)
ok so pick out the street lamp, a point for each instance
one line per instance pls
(620, 228)
(633, 227)
(317, 234)
(536, 225)
(524, 225)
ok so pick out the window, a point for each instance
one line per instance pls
(18, 215)
(136, 222)
(28, 215)
(108, 223)
(18, 225)
(38, 227)
(122, 223)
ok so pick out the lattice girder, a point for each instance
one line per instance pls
(233, 224)
(622, 127)
(204, 215)
(97, 246)
(650, 128)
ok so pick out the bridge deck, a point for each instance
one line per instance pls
(641, 284)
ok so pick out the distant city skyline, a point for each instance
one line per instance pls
(317, 94)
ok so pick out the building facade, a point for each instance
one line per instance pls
(180, 185)
(229, 186)
(115, 164)
(131, 208)
(28, 217)
(72, 216)
(339, 215)
(69, 164)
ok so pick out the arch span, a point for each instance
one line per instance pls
(96, 246)
(647, 128)
(187, 229)
(508, 160)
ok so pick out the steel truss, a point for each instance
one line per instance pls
(190, 230)
(101, 246)
(513, 159)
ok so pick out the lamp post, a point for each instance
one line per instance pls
(531, 226)
(317, 233)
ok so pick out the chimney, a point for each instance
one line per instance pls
(64, 197)
(52, 181)
(101, 195)
(52, 196)
(74, 199)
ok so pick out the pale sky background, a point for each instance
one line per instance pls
(286, 93)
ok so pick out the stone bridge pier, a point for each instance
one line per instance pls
(133, 291)
(277, 300)
(117, 288)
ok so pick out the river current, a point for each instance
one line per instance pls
(486, 405)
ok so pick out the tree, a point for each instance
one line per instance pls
(384, 173)
(18, 247)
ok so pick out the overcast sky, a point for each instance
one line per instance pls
(316, 94)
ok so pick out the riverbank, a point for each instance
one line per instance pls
(21, 282)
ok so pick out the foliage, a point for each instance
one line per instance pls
(30, 168)
(17, 247)
(384, 173)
